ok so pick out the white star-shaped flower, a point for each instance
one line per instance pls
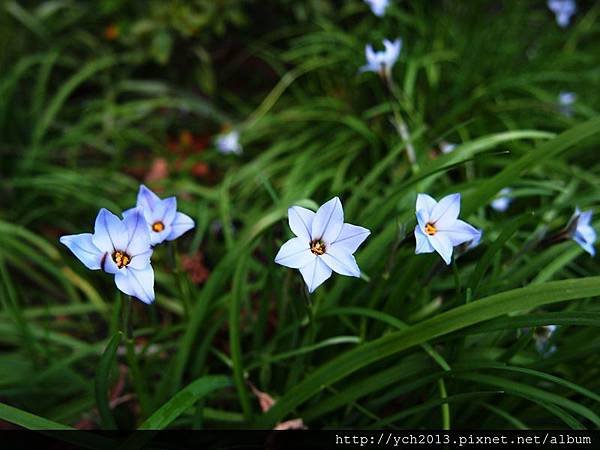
(323, 243)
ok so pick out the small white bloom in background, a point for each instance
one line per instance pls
(323, 243)
(382, 62)
(581, 231)
(229, 143)
(502, 200)
(439, 229)
(563, 10)
(447, 147)
(378, 6)
(542, 336)
(566, 100)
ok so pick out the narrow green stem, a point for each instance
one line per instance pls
(445, 406)
(310, 315)
(399, 124)
(139, 383)
(127, 326)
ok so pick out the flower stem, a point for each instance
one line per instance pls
(138, 381)
(445, 406)
(310, 315)
(399, 124)
(561, 236)
(127, 326)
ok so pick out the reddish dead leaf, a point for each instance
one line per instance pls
(264, 399)
(111, 32)
(294, 424)
(195, 268)
(158, 171)
(200, 170)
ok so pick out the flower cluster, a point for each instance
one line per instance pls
(123, 247)
(323, 243)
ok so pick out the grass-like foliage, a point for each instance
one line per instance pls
(95, 100)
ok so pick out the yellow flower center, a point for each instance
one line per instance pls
(158, 227)
(317, 247)
(430, 229)
(121, 259)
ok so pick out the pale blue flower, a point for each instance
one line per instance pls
(165, 223)
(502, 200)
(378, 6)
(229, 143)
(323, 243)
(119, 247)
(581, 231)
(439, 229)
(382, 62)
(563, 10)
(566, 100)
(543, 336)
(447, 147)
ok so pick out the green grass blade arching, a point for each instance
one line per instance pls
(184, 400)
(101, 381)
(455, 319)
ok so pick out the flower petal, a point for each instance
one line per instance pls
(315, 273)
(108, 264)
(351, 237)
(109, 232)
(442, 245)
(168, 209)
(422, 218)
(84, 249)
(584, 219)
(422, 242)
(138, 236)
(327, 223)
(461, 232)
(137, 283)
(141, 260)
(147, 199)
(425, 203)
(300, 221)
(341, 261)
(180, 225)
(295, 253)
(446, 211)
